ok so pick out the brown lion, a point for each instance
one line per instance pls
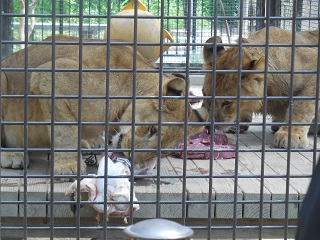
(253, 83)
(94, 86)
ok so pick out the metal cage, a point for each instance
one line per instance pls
(255, 194)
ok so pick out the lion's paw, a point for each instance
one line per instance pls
(233, 129)
(298, 140)
(68, 168)
(12, 160)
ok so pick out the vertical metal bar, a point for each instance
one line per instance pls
(290, 114)
(264, 118)
(107, 105)
(316, 119)
(158, 197)
(134, 91)
(25, 124)
(190, 32)
(212, 118)
(238, 119)
(185, 139)
(1, 38)
(78, 219)
(52, 126)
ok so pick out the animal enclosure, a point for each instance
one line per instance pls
(236, 184)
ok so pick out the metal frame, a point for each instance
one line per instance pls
(206, 228)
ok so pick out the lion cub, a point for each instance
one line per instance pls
(278, 65)
(55, 120)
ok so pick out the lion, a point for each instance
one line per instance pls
(58, 126)
(253, 83)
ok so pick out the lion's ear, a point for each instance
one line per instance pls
(208, 50)
(254, 82)
(258, 65)
(174, 87)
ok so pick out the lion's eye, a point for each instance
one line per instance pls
(226, 104)
(152, 131)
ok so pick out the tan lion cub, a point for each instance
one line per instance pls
(96, 86)
(252, 83)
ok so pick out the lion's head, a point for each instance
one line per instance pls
(148, 114)
(226, 81)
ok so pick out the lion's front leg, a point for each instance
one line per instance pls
(13, 135)
(243, 128)
(299, 137)
(13, 160)
(276, 119)
(66, 116)
(65, 159)
(66, 163)
(303, 111)
(314, 129)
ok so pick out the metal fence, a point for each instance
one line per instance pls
(80, 98)
(200, 29)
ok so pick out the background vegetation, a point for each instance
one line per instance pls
(98, 10)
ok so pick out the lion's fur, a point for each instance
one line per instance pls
(66, 89)
(252, 84)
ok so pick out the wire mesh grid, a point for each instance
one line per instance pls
(100, 96)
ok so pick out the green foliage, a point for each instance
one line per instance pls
(94, 9)
(67, 15)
